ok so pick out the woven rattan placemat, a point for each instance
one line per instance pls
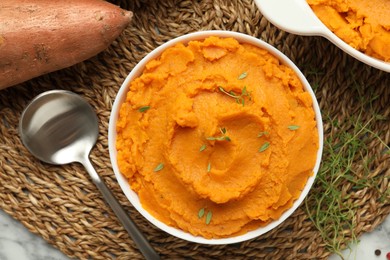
(61, 204)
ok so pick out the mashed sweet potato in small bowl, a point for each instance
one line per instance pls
(215, 137)
(361, 28)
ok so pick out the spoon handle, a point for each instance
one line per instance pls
(139, 239)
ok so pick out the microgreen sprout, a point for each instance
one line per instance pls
(239, 98)
(143, 108)
(224, 137)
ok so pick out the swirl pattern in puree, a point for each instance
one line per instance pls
(217, 137)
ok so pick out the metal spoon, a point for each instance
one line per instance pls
(60, 127)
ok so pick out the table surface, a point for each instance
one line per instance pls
(17, 243)
(354, 101)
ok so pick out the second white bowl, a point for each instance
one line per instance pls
(296, 16)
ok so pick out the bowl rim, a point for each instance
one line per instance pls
(298, 18)
(121, 96)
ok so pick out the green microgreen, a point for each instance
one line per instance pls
(243, 75)
(159, 167)
(230, 94)
(239, 98)
(262, 133)
(220, 138)
(264, 147)
(208, 217)
(201, 213)
(202, 148)
(293, 127)
(209, 167)
(224, 137)
(227, 138)
(244, 92)
(143, 108)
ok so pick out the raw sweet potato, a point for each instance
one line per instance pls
(41, 36)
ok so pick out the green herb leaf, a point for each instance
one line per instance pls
(143, 109)
(202, 148)
(243, 75)
(238, 98)
(264, 147)
(293, 127)
(230, 94)
(209, 167)
(223, 130)
(220, 138)
(159, 167)
(262, 133)
(201, 213)
(208, 217)
(244, 92)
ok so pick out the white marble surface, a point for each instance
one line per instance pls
(17, 243)
(369, 242)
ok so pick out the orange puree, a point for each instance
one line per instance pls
(363, 24)
(206, 128)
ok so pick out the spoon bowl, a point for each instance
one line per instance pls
(60, 127)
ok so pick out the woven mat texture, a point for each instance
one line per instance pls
(62, 205)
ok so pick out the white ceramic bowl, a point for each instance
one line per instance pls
(121, 96)
(296, 16)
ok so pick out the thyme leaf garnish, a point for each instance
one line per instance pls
(239, 98)
(201, 213)
(244, 92)
(143, 108)
(262, 133)
(224, 137)
(202, 148)
(230, 94)
(293, 127)
(208, 217)
(264, 147)
(243, 75)
(159, 167)
(220, 138)
(209, 167)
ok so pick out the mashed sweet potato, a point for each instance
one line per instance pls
(363, 24)
(216, 137)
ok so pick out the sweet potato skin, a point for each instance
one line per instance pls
(41, 36)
